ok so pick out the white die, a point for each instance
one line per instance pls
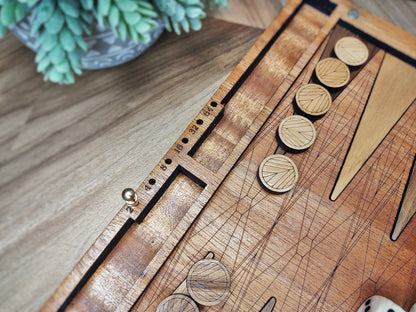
(379, 304)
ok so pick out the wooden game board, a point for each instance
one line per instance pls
(327, 244)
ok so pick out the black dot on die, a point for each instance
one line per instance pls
(390, 310)
(367, 309)
(368, 302)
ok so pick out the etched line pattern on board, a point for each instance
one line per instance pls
(326, 230)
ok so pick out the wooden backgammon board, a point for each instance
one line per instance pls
(322, 235)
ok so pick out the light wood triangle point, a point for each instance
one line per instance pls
(393, 92)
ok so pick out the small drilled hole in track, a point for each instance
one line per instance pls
(185, 140)
(199, 121)
(168, 161)
(152, 181)
(214, 104)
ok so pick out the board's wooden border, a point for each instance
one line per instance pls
(376, 27)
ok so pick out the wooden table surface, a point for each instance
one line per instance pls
(66, 152)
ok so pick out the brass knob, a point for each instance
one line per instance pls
(129, 195)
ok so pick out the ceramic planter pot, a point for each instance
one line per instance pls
(104, 48)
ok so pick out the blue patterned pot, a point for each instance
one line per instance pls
(104, 48)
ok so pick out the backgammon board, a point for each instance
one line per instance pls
(342, 233)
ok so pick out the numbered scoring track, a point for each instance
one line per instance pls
(180, 152)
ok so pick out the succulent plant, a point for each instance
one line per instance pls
(59, 25)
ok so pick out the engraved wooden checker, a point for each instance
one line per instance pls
(313, 99)
(208, 282)
(332, 72)
(278, 173)
(296, 132)
(351, 51)
(177, 303)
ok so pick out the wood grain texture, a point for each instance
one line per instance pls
(71, 150)
(391, 96)
(408, 206)
(67, 152)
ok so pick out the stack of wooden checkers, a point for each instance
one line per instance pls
(207, 284)
(278, 173)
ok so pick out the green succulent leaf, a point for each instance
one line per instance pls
(63, 67)
(195, 12)
(126, 5)
(122, 30)
(40, 55)
(45, 10)
(179, 13)
(67, 40)
(195, 24)
(43, 64)
(103, 7)
(166, 21)
(147, 12)
(128, 18)
(132, 33)
(20, 11)
(170, 8)
(55, 76)
(57, 54)
(69, 77)
(7, 15)
(49, 42)
(40, 39)
(74, 25)
(69, 7)
(81, 43)
(114, 16)
(142, 27)
(176, 27)
(185, 25)
(132, 18)
(87, 4)
(55, 23)
(74, 58)
(145, 38)
(87, 17)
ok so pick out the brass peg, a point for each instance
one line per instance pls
(130, 196)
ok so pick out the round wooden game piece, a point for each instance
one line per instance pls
(313, 99)
(208, 282)
(332, 72)
(177, 303)
(351, 51)
(278, 173)
(296, 133)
